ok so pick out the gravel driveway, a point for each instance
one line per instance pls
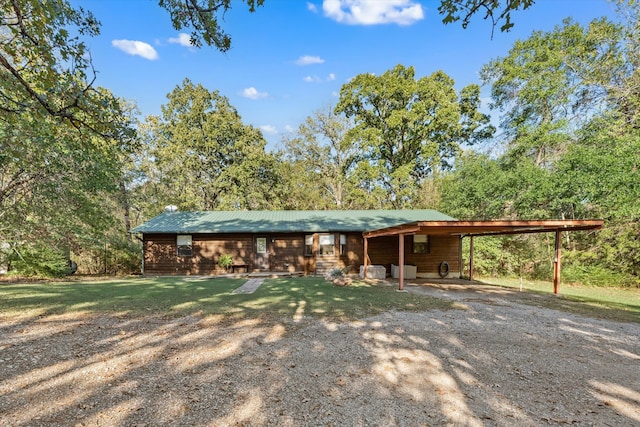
(493, 362)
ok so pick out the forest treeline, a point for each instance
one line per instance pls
(79, 168)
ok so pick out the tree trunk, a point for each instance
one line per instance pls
(124, 203)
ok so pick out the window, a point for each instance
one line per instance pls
(420, 244)
(185, 245)
(343, 244)
(261, 245)
(308, 244)
(327, 244)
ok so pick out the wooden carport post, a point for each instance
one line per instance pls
(471, 258)
(366, 258)
(556, 262)
(401, 262)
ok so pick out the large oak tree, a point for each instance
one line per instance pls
(409, 127)
(202, 157)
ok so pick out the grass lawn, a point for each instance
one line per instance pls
(607, 302)
(288, 297)
(284, 297)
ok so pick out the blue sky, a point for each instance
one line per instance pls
(291, 57)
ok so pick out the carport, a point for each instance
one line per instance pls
(480, 228)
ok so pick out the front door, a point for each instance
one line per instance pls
(262, 254)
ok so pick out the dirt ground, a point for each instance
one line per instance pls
(494, 362)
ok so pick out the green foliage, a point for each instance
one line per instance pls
(570, 151)
(321, 150)
(225, 261)
(125, 255)
(597, 275)
(551, 83)
(38, 261)
(62, 140)
(202, 17)
(504, 256)
(475, 189)
(408, 128)
(54, 184)
(200, 156)
(47, 71)
(455, 10)
(336, 273)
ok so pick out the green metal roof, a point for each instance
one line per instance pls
(283, 221)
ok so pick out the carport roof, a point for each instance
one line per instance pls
(484, 228)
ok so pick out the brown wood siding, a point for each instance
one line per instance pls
(161, 253)
(354, 256)
(286, 253)
(384, 251)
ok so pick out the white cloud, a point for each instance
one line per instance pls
(315, 79)
(373, 12)
(183, 39)
(252, 93)
(309, 60)
(312, 7)
(269, 129)
(134, 47)
(289, 129)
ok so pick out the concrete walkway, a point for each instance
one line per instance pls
(249, 286)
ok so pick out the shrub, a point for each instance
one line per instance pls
(39, 261)
(117, 254)
(597, 275)
(336, 273)
(225, 261)
(337, 276)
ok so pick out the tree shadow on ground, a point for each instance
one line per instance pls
(486, 365)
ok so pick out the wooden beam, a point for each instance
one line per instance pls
(391, 231)
(401, 262)
(488, 228)
(556, 262)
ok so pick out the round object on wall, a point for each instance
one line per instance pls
(443, 269)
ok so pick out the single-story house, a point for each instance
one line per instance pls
(424, 243)
(307, 242)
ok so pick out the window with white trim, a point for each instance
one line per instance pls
(327, 244)
(308, 244)
(184, 243)
(343, 244)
